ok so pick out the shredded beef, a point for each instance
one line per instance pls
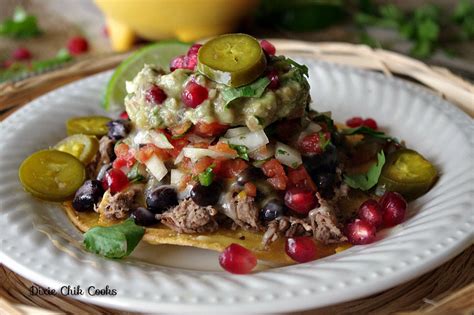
(324, 224)
(286, 226)
(242, 211)
(321, 223)
(188, 217)
(104, 156)
(118, 206)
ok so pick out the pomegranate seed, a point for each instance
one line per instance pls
(301, 249)
(394, 208)
(177, 63)
(237, 259)
(354, 122)
(268, 47)
(21, 53)
(155, 95)
(193, 50)
(360, 232)
(274, 80)
(371, 212)
(115, 180)
(300, 200)
(314, 143)
(77, 45)
(194, 94)
(369, 122)
(190, 62)
(124, 115)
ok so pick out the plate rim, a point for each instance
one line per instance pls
(427, 264)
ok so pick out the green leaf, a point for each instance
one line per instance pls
(363, 130)
(254, 89)
(21, 25)
(428, 30)
(366, 181)
(242, 151)
(61, 58)
(422, 49)
(324, 141)
(116, 241)
(391, 12)
(206, 177)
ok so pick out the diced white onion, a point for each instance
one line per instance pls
(313, 127)
(234, 132)
(176, 177)
(179, 158)
(287, 155)
(263, 153)
(196, 153)
(156, 167)
(196, 139)
(252, 140)
(151, 136)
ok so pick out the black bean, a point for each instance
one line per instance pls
(161, 199)
(206, 195)
(273, 209)
(325, 183)
(250, 174)
(88, 195)
(143, 216)
(118, 129)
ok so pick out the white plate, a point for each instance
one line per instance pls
(38, 242)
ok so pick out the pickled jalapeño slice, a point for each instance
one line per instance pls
(232, 59)
(52, 175)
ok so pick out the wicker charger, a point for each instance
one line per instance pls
(449, 289)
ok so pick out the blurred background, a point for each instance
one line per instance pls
(38, 35)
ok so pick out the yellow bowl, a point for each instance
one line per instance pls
(186, 20)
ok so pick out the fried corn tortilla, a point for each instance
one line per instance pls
(217, 241)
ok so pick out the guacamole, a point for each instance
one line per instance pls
(288, 100)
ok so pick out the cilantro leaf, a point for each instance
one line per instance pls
(254, 89)
(21, 25)
(366, 181)
(282, 59)
(242, 151)
(363, 130)
(116, 241)
(206, 177)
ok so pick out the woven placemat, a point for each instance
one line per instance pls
(449, 289)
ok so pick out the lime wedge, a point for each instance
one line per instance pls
(232, 59)
(159, 54)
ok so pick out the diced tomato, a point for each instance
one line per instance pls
(223, 147)
(276, 173)
(278, 182)
(178, 145)
(125, 156)
(148, 150)
(210, 130)
(230, 168)
(300, 178)
(250, 189)
(201, 165)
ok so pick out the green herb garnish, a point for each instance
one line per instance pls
(366, 181)
(116, 241)
(206, 177)
(242, 151)
(21, 25)
(254, 89)
(363, 130)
